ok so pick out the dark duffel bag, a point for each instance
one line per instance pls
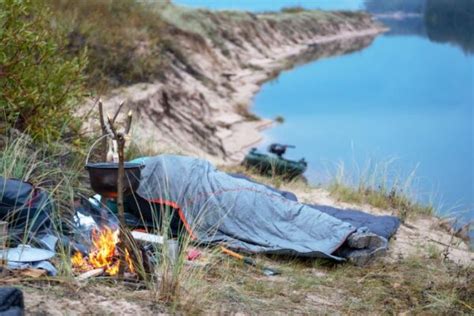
(26, 209)
(11, 302)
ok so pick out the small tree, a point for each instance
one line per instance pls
(39, 83)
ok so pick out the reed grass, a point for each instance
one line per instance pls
(379, 184)
(22, 159)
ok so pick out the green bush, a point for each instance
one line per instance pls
(39, 83)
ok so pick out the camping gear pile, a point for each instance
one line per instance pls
(24, 207)
(25, 217)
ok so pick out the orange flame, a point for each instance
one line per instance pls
(103, 253)
(78, 261)
(128, 259)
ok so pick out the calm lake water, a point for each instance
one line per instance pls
(407, 98)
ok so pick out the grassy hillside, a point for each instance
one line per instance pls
(122, 39)
(129, 41)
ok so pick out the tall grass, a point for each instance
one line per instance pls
(48, 169)
(122, 39)
(16, 160)
(379, 185)
(169, 278)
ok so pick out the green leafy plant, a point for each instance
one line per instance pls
(40, 85)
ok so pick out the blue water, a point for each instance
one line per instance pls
(408, 97)
(381, 103)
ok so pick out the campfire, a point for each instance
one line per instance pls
(103, 254)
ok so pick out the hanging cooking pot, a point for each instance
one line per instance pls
(103, 178)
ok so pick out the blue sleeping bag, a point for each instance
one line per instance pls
(216, 207)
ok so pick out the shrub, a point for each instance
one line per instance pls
(39, 84)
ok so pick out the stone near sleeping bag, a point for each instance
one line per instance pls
(247, 216)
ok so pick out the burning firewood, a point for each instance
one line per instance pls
(125, 248)
(90, 274)
(104, 254)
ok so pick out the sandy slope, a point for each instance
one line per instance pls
(211, 88)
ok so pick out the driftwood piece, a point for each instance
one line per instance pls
(33, 273)
(90, 274)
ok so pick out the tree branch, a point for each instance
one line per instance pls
(103, 127)
(117, 112)
(129, 123)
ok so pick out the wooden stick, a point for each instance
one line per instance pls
(112, 127)
(118, 111)
(121, 210)
(126, 241)
(104, 130)
(90, 274)
(129, 123)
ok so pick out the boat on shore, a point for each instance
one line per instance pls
(274, 163)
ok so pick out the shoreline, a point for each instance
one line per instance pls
(250, 84)
(206, 121)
